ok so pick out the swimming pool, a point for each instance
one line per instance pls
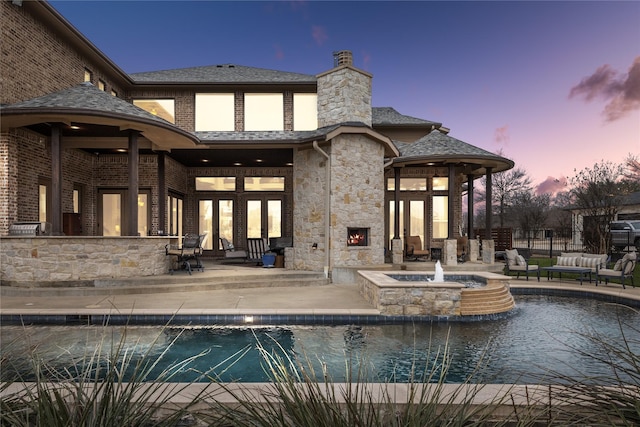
(544, 333)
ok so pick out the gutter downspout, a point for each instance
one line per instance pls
(327, 209)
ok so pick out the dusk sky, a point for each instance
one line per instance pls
(554, 85)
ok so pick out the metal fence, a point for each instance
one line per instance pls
(550, 242)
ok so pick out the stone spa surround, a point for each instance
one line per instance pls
(414, 294)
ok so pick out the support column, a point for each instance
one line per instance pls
(132, 208)
(162, 196)
(470, 212)
(474, 250)
(489, 205)
(450, 250)
(56, 182)
(488, 245)
(397, 251)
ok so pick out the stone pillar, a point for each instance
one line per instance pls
(450, 252)
(474, 250)
(396, 251)
(288, 258)
(488, 251)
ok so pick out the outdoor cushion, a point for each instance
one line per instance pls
(511, 255)
(567, 261)
(629, 267)
(618, 265)
(571, 254)
(589, 262)
(602, 257)
(520, 260)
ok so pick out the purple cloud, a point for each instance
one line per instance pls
(621, 91)
(319, 34)
(551, 185)
(502, 136)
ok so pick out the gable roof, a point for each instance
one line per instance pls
(224, 73)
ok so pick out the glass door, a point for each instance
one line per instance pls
(215, 217)
(412, 220)
(264, 217)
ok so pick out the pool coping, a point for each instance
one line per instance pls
(281, 316)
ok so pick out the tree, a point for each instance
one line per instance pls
(530, 211)
(597, 193)
(505, 186)
(632, 173)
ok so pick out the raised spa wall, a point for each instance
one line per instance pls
(424, 298)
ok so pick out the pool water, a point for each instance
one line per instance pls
(544, 334)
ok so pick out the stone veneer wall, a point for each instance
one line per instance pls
(412, 301)
(344, 95)
(69, 261)
(309, 174)
(357, 199)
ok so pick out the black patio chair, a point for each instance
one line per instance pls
(191, 249)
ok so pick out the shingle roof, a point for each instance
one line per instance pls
(226, 73)
(388, 116)
(441, 148)
(85, 96)
(88, 104)
(632, 199)
(273, 136)
(438, 144)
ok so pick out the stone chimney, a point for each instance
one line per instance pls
(344, 93)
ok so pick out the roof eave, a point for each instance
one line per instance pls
(163, 135)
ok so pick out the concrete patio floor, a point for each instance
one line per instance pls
(275, 295)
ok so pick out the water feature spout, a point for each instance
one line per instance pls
(439, 276)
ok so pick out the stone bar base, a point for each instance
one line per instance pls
(78, 261)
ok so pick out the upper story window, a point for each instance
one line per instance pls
(440, 184)
(215, 112)
(102, 85)
(164, 108)
(88, 75)
(216, 183)
(264, 183)
(263, 111)
(114, 93)
(305, 111)
(408, 184)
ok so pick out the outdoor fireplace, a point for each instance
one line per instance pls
(357, 236)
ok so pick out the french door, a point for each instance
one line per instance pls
(224, 216)
(412, 219)
(216, 218)
(264, 216)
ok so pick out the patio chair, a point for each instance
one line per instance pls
(414, 250)
(622, 270)
(256, 248)
(230, 252)
(191, 249)
(519, 264)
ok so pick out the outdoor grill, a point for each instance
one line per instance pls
(29, 229)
